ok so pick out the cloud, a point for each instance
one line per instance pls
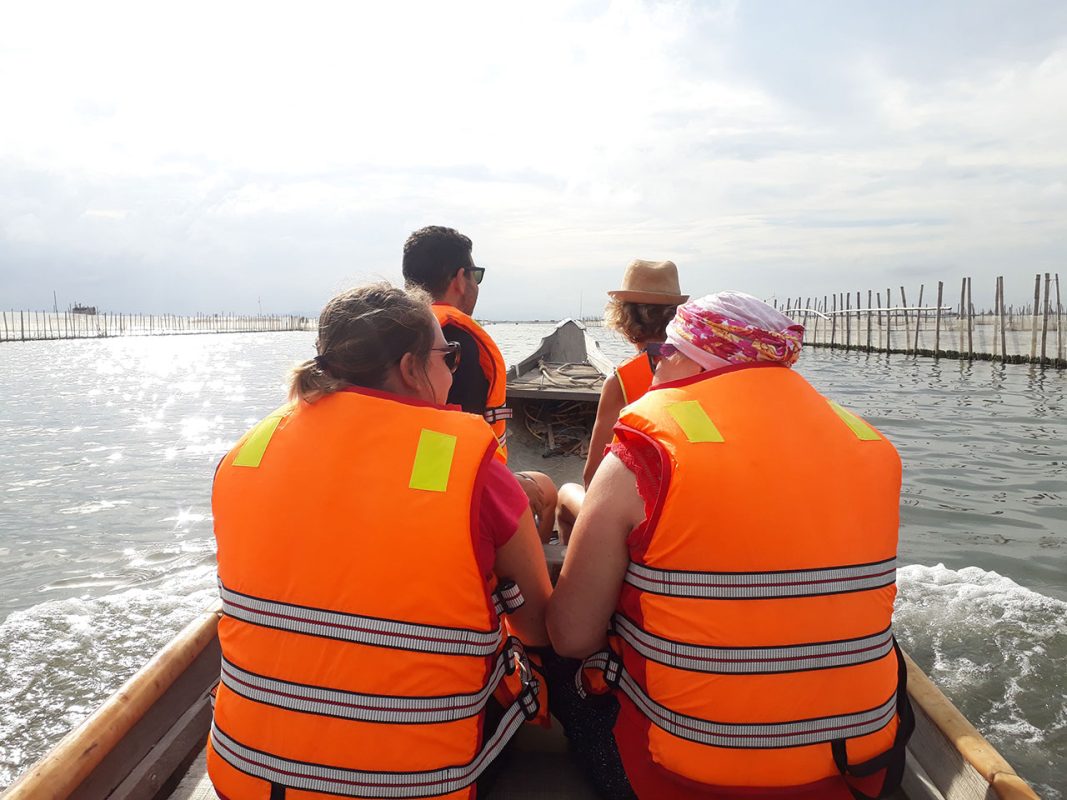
(197, 161)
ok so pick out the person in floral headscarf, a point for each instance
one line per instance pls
(737, 541)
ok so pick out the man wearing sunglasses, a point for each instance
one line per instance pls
(440, 261)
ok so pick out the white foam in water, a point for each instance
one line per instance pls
(65, 657)
(946, 620)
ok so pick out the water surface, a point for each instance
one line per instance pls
(107, 448)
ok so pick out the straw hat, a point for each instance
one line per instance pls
(653, 282)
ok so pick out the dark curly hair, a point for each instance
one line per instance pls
(639, 322)
(432, 255)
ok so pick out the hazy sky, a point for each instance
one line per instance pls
(211, 156)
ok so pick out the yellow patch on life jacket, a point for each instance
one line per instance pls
(251, 452)
(863, 431)
(433, 461)
(694, 422)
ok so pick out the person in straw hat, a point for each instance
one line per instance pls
(730, 580)
(640, 311)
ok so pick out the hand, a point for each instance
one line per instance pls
(534, 493)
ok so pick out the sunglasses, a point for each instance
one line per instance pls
(477, 273)
(660, 349)
(451, 357)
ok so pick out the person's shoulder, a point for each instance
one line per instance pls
(454, 333)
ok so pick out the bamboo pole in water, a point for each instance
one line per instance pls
(833, 323)
(847, 306)
(1059, 321)
(1003, 335)
(996, 315)
(918, 318)
(963, 299)
(970, 323)
(937, 322)
(1033, 317)
(858, 318)
(1044, 317)
(868, 320)
(888, 316)
(907, 325)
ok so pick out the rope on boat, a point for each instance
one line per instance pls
(563, 427)
(570, 376)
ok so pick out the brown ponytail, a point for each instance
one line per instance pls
(363, 332)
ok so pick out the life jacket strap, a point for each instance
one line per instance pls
(604, 662)
(753, 660)
(892, 760)
(507, 599)
(358, 628)
(762, 585)
(498, 414)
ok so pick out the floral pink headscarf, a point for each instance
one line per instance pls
(736, 328)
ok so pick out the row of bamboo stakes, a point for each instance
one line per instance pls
(842, 324)
(23, 326)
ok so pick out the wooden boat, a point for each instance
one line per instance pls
(567, 365)
(147, 740)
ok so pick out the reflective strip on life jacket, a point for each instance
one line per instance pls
(507, 599)
(796, 733)
(497, 414)
(762, 585)
(364, 707)
(753, 660)
(358, 628)
(360, 783)
(761, 735)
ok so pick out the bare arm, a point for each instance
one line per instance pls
(607, 414)
(596, 561)
(522, 560)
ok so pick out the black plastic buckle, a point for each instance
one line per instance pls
(613, 671)
(503, 604)
(512, 648)
(528, 701)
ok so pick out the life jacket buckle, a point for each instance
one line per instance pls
(531, 706)
(514, 656)
(507, 598)
(613, 671)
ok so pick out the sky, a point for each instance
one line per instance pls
(213, 157)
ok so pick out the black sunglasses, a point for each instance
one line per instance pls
(451, 357)
(477, 273)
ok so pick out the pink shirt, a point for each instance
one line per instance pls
(500, 506)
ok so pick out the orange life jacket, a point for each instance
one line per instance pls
(492, 364)
(342, 527)
(752, 646)
(635, 376)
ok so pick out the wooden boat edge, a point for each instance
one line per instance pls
(959, 761)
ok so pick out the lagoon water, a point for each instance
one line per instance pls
(107, 448)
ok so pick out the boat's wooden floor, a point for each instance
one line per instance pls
(535, 766)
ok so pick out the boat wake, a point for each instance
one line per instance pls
(994, 647)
